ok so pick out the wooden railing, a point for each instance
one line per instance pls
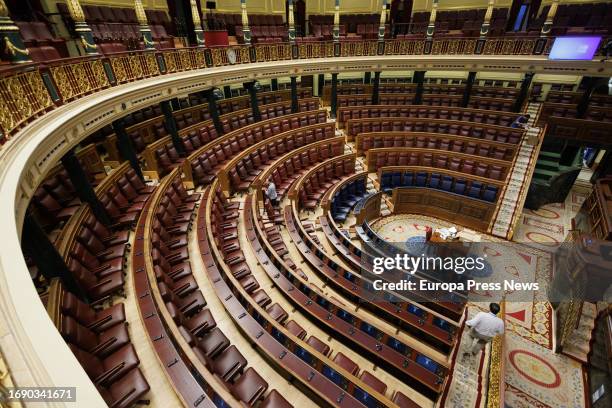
(28, 90)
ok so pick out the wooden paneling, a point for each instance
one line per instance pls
(454, 208)
(581, 130)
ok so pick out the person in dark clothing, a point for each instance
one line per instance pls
(520, 122)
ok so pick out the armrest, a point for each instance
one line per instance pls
(199, 328)
(104, 345)
(101, 268)
(119, 402)
(107, 376)
(100, 301)
(100, 322)
(177, 271)
(104, 253)
(173, 257)
(104, 282)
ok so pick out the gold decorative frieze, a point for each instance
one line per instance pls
(22, 96)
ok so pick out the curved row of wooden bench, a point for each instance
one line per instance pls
(147, 131)
(443, 89)
(455, 143)
(161, 156)
(99, 340)
(593, 113)
(423, 124)
(96, 257)
(475, 102)
(56, 198)
(243, 169)
(478, 116)
(494, 170)
(446, 200)
(569, 97)
(288, 168)
(201, 166)
(83, 242)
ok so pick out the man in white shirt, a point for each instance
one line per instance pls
(271, 194)
(484, 327)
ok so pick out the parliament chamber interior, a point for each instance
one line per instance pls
(203, 201)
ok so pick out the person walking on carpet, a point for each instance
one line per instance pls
(483, 328)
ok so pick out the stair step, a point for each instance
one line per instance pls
(576, 353)
(547, 164)
(550, 154)
(546, 172)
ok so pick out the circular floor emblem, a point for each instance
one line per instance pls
(545, 213)
(535, 368)
(541, 238)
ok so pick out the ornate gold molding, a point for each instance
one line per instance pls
(12, 49)
(146, 41)
(4, 12)
(87, 44)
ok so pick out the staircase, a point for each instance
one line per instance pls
(548, 164)
(469, 378)
(513, 196)
(578, 343)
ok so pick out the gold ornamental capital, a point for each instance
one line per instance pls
(141, 16)
(76, 11)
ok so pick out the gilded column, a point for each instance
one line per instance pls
(12, 43)
(486, 23)
(246, 31)
(81, 27)
(432, 19)
(197, 24)
(383, 20)
(336, 30)
(143, 25)
(552, 11)
(291, 23)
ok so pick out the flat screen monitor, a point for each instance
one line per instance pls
(427, 363)
(574, 48)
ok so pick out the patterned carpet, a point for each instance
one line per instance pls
(535, 375)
